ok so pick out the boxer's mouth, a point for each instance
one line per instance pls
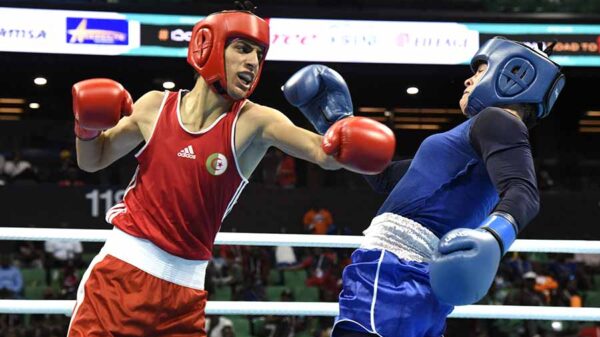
(246, 77)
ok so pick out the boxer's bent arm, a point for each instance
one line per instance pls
(277, 130)
(119, 140)
(503, 143)
(111, 145)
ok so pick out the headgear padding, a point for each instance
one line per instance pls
(206, 52)
(516, 74)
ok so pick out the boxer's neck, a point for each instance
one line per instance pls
(201, 106)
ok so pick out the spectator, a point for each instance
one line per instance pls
(11, 280)
(321, 266)
(285, 174)
(317, 220)
(284, 326)
(68, 171)
(547, 286)
(526, 295)
(29, 255)
(20, 170)
(61, 252)
(567, 295)
(519, 265)
(2, 176)
(219, 326)
(257, 266)
(69, 282)
(590, 331)
(284, 257)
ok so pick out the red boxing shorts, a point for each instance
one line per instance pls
(133, 288)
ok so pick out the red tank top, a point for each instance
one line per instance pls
(185, 183)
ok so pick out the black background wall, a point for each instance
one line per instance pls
(563, 215)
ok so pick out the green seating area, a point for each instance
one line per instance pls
(293, 280)
(34, 282)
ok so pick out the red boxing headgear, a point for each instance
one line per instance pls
(206, 52)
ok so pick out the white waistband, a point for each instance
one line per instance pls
(401, 236)
(146, 256)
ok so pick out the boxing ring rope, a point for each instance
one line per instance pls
(325, 309)
(295, 240)
(306, 308)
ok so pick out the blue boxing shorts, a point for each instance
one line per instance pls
(385, 295)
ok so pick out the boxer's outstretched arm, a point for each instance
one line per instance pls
(277, 130)
(357, 144)
(114, 143)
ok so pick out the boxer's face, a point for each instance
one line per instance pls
(242, 61)
(470, 84)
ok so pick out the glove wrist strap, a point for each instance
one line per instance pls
(503, 227)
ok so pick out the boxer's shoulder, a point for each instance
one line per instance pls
(256, 116)
(148, 104)
(146, 110)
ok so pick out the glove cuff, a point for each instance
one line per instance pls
(85, 134)
(503, 227)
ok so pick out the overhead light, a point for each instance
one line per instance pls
(370, 109)
(417, 126)
(40, 81)
(412, 90)
(427, 111)
(168, 85)
(6, 110)
(378, 118)
(593, 113)
(589, 129)
(422, 119)
(34, 105)
(12, 101)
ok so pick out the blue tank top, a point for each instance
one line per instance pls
(446, 186)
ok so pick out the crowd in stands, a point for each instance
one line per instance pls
(53, 270)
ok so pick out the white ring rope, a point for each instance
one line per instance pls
(296, 240)
(325, 309)
(306, 308)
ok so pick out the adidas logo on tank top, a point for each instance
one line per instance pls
(187, 152)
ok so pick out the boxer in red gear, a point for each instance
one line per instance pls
(200, 148)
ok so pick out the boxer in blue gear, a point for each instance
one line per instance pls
(456, 207)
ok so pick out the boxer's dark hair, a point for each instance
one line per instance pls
(245, 6)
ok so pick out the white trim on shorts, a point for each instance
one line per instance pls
(148, 257)
(373, 329)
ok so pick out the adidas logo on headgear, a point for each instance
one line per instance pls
(187, 152)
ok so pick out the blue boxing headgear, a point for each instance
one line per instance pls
(516, 74)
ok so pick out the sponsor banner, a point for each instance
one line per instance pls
(299, 40)
(66, 32)
(566, 45)
(371, 41)
(345, 41)
(176, 36)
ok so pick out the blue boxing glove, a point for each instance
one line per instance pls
(466, 261)
(321, 94)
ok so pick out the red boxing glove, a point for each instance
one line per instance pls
(99, 104)
(361, 144)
